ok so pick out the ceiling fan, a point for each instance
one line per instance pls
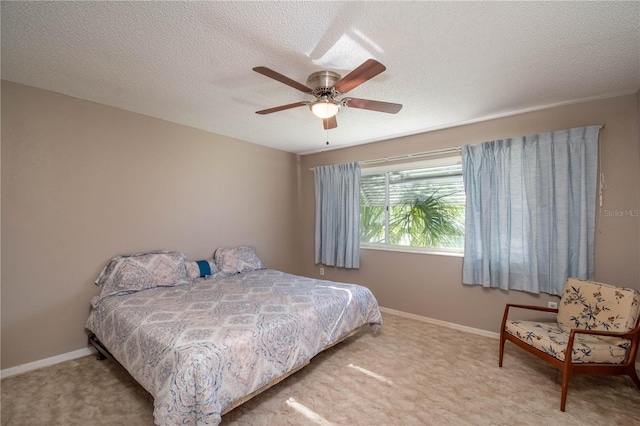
(326, 86)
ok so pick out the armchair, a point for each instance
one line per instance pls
(597, 324)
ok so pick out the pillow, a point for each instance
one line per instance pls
(126, 274)
(201, 268)
(233, 260)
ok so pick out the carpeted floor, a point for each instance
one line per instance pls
(410, 373)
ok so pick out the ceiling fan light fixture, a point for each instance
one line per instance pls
(325, 108)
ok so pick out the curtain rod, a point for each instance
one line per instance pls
(409, 156)
(414, 155)
(417, 155)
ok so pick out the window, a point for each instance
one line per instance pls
(415, 206)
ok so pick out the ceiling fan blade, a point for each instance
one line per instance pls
(330, 123)
(281, 108)
(282, 79)
(387, 107)
(369, 69)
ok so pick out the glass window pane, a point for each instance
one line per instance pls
(426, 207)
(372, 209)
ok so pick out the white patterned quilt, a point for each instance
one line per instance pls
(199, 347)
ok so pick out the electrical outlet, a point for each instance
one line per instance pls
(553, 305)
(321, 271)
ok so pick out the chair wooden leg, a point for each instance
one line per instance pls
(565, 385)
(502, 333)
(634, 376)
(566, 375)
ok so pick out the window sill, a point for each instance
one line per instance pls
(415, 250)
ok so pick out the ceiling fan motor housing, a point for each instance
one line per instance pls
(322, 83)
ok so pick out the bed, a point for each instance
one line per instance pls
(203, 346)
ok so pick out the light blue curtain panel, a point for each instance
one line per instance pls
(337, 189)
(530, 210)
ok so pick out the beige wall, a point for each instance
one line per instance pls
(83, 182)
(431, 285)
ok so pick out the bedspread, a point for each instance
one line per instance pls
(197, 348)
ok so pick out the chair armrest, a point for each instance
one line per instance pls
(532, 307)
(632, 334)
(529, 307)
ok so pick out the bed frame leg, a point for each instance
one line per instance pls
(101, 352)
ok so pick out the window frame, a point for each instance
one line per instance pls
(444, 160)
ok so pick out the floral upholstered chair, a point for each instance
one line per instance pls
(597, 324)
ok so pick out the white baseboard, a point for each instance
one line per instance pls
(455, 326)
(23, 368)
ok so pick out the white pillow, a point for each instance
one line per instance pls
(232, 260)
(136, 272)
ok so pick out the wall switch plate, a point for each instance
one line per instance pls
(553, 305)
(321, 271)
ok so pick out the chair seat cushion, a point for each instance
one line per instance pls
(552, 338)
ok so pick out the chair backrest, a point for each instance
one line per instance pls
(595, 306)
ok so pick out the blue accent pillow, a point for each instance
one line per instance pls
(201, 268)
(205, 268)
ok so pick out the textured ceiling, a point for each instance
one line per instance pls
(448, 63)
